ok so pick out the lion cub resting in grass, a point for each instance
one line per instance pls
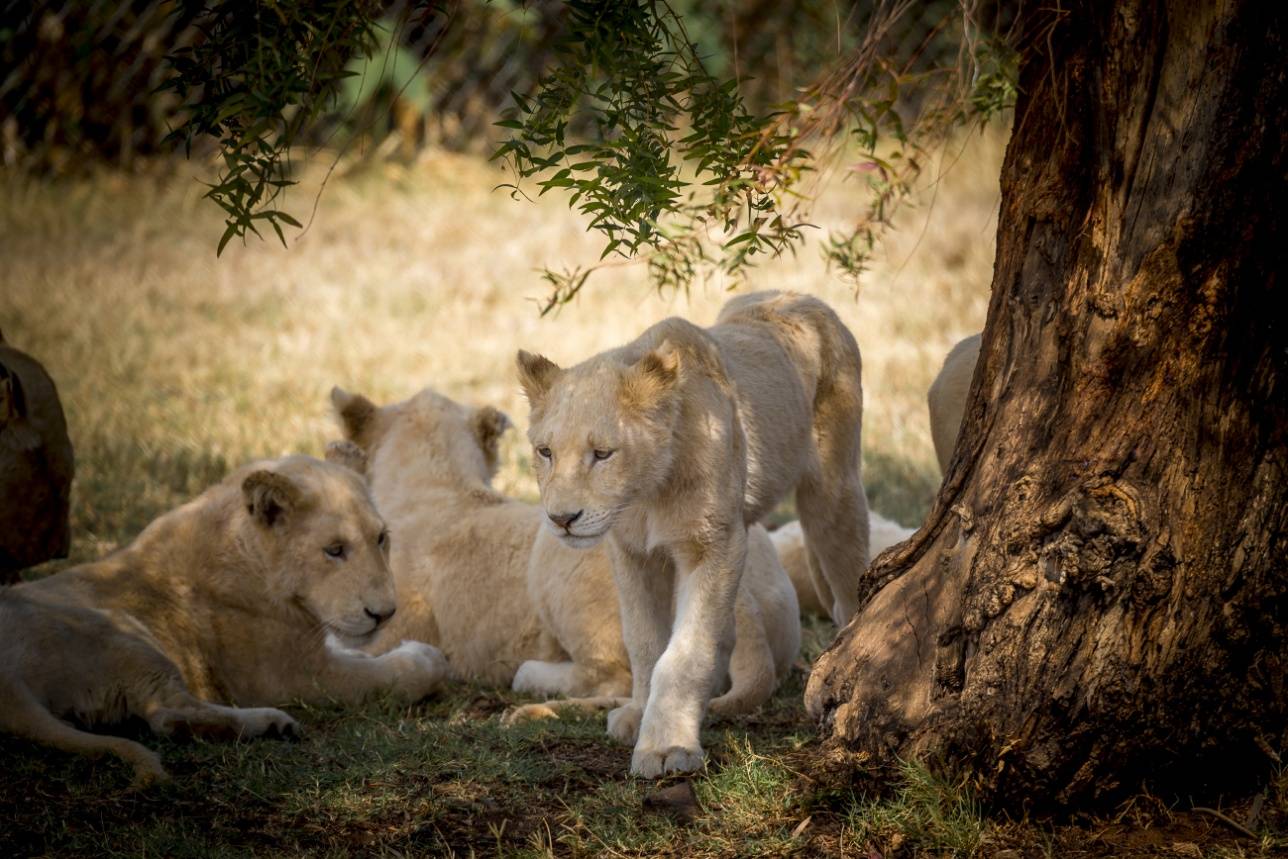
(789, 541)
(671, 446)
(509, 604)
(228, 598)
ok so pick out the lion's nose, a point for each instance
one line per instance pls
(563, 520)
(380, 616)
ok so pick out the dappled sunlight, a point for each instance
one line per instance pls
(420, 276)
(176, 367)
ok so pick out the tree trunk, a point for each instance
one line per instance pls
(1098, 598)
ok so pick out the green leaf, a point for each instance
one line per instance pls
(229, 232)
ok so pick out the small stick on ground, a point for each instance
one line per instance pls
(1233, 824)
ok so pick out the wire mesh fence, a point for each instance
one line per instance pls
(79, 79)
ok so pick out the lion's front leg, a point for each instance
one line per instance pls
(412, 670)
(644, 586)
(695, 659)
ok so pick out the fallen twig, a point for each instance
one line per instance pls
(1233, 824)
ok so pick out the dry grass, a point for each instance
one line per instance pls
(174, 365)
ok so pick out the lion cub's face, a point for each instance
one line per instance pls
(429, 437)
(601, 438)
(324, 543)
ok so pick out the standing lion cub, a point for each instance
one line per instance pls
(671, 446)
(230, 597)
(479, 576)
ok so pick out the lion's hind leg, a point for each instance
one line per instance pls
(26, 717)
(752, 673)
(192, 717)
(834, 517)
(156, 691)
(830, 499)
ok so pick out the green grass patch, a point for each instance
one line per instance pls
(926, 812)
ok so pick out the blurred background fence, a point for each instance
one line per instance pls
(79, 79)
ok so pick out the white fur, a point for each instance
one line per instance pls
(789, 542)
(946, 399)
(705, 431)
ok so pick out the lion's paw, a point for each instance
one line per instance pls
(649, 762)
(624, 723)
(267, 722)
(536, 677)
(729, 705)
(147, 772)
(421, 668)
(527, 713)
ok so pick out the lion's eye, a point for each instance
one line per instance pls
(544, 452)
(383, 540)
(336, 550)
(601, 455)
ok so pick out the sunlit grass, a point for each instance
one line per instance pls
(175, 367)
(925, 812)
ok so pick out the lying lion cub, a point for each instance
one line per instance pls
(672, 446)
(507, 602)
(227, 598)
(947, 396)
(789, 541)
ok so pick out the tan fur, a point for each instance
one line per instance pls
(671, 446)
(947, 397)
(574, 592)
(229, 598)
(789, 541)
(460, 549)
(508, 603)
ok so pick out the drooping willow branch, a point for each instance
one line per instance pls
(663, 156)
(672, 168)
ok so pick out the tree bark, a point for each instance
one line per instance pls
(1098, 599)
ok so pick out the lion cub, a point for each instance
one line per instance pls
(227, 598)
(947, 396)
(479, 576)
(789, 542)
(671, 446)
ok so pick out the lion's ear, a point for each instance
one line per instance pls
(348, 454)
(353, 410)
(269, 496)
(488, 425)
(536, 374)
(651, 378)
